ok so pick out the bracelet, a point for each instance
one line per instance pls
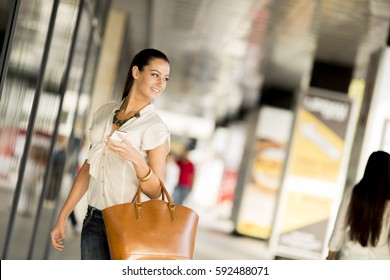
(147, 177)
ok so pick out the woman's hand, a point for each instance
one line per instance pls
(156, 163)
(58, 235)
(123, 149)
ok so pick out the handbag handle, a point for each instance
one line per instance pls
(171, 205)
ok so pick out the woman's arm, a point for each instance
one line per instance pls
(157, 161)
(340, 227)
(79, 188)
(150, 170)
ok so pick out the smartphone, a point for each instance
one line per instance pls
(115, 135)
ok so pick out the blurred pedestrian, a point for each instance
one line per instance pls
(186, 177)
(59, 157)
(362, 226)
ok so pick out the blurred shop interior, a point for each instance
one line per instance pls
(281, 102)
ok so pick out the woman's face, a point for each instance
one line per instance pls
(152, 80)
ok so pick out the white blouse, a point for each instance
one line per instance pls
(352, 250)
(113, 179)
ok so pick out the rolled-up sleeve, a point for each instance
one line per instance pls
(155, 136)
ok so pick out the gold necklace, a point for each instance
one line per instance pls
(118, 122)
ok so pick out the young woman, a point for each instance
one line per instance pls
(115, 167)
(363, 223)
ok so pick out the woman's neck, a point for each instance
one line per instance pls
(132, 105)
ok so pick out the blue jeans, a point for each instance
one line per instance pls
(94, 244)
(180, 194)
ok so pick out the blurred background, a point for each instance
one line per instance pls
(280, 102)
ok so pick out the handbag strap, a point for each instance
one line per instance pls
(165, 194)
(164, 190)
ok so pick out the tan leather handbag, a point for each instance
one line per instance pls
(152, 230)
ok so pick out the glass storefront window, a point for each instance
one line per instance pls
(43, 113)
(16, 104)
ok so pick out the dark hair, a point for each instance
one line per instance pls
(368, 201)
(140, 60)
